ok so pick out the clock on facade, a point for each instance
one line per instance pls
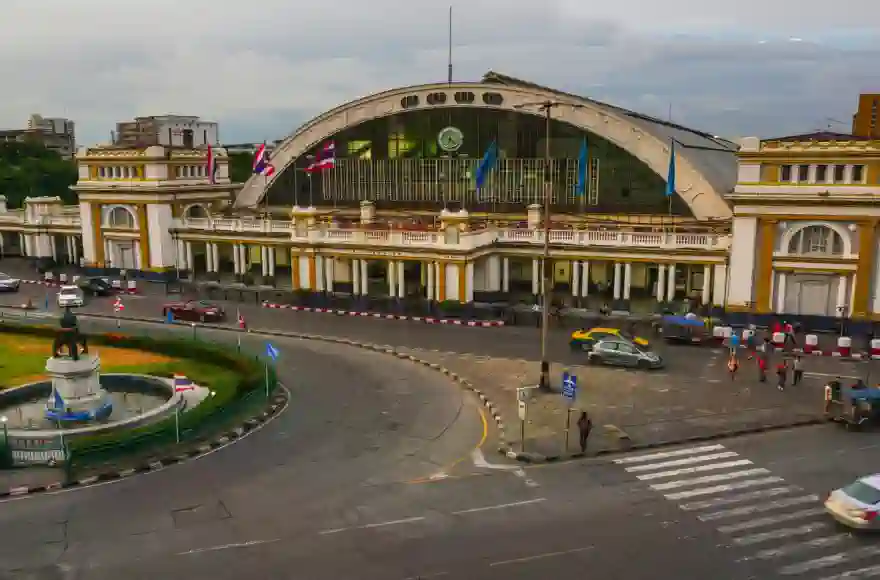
(450, 139)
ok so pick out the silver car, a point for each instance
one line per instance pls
(858, 504)
(71, 296)
(622, 353)
(8, 283)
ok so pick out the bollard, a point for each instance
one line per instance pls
(62, 278)
(116, 284)
(811, 344)
(132, 287)
(778, 339)
(844, 346)
(875, 347)
(718, 334)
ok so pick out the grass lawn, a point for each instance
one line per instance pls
(23, 360)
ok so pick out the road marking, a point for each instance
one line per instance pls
(758, 507)
(539, 557)
(480, 461)
(228, 546)
(680, 462)
(697, 469)
(868, 572)
(371, 526)
(827, 561)
(723, 488)
(500, 506)
(720, 501)
(789, 549)
(830, 376)
(426, 576)
(780, 533)
(521, 473)
(663, 454)
(709, 479)
(771, 520)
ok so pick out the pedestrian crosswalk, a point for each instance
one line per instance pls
(766, 519)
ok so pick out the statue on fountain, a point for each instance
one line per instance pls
(68, 336)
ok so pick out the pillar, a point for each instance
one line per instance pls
(356, 277)
(392, 279)
(670, 282)
(462, 282)
(617, 280)
(215, 253)
(75, 252)
(575, 278)
(841, 296)
(236, 259)
(188, 249)
(243, 258)
(401, 281)
(441, 281)
(138, 257)
(505, 274)
(861, 306)
(365, 278)
(469, 282)
(320, 274)
(780, 292)
(295, 265)
(312, 282)
(627, 280)
(270, 252)
(719, 283)
(329, 274)
(585, 278)
(764, 268)
(707, 283)
(661, 283)
(536, 276)
(429, 282)
(209, 257)
(264, 261)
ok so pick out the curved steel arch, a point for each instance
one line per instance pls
(693, 187)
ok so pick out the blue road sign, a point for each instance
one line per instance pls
(271, 351)
(569, 387)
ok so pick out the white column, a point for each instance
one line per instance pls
(505, 274)
(617, 280)
(841, 296)
(75, 251)
(271, 253)
(53, 247)
(243, 258)
(780, 292)
(67, 246)
(585, 278)
(236, 257)
(209, 257)
(661, 283)
(719, 284)
(575, 278)
(188, 248)
(264, 260)
(329, 273)
(707, 283)
(438, 272)
(137, 256)
(320, 275)
(365, 279)
(627, 280)
(355, 277)
(536, 277)
(429, 280)
(392, 280)
(670, 282)
(469, 282)
(401, 282)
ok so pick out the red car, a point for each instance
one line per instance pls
(195, 311)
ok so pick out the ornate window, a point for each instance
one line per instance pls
(196, 212)
(120, 217)
(816, 240)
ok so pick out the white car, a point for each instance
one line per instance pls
(70, 296)
(858, 504)
(8, 283)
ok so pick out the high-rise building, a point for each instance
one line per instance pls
(865, 119)
(166, 130)
(56, 134)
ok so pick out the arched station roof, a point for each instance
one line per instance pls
(705, 165)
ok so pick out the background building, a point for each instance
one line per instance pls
(865, 118)
(56, 134)
(167, 131)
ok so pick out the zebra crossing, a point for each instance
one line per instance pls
(765, 518)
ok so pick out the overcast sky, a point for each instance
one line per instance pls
(744, 67)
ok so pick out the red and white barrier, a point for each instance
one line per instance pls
(718, 333)
(423, 319)
(62, 278)
(748, 334)
(116, 284)
(778, 339)
(131, 287)
(811, 344)
(844, 346)
(875, 347)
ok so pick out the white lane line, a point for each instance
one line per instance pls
(697, 469)
(758, 507)
(664, 454)
(499, 506)
(868, 572)
(723, 488)
(479, 460)
(521, 473)
(539, 557)
(426, 576)
(790, 549)
(732, 499)
(780, 533)
(772, 520)
(371, 526)
(680, 462)
(709, 479)
(228, 546)
(828, 561)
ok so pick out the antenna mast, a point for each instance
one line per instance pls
(449, 54)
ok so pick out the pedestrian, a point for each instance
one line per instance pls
(762, 353)
(797, 370)
(585, 425)
(732, 365)
(781, 374)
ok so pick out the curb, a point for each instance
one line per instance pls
(278, 404)
(527, 457)
(424, 319)
(54, 284)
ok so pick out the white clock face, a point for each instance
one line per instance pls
(450, 139)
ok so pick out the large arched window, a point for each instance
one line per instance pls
(820, 240)
(120, 217)
(196, 212)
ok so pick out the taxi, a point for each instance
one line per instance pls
(585, 339)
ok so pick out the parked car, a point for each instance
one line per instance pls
(857, 505)
(71, 296)
(8, 283)
(622, 353)
(585, 339)
(95, 286)
(194, 310)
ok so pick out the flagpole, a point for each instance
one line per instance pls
(449, 56)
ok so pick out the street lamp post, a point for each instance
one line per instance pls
(546, 107)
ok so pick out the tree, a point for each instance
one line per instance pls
(28, 169)
(241, 167)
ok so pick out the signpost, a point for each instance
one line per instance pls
(522, 397)
(569, 393)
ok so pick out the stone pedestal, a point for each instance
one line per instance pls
(77, 394)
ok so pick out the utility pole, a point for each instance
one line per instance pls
(546, 107)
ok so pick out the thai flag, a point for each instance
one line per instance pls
(241, 323)
(183, 383)
(261, 162)
(326, 159)
(212, 165)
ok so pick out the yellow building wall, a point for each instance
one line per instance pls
(769, 173)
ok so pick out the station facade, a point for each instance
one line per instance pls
(785, 225)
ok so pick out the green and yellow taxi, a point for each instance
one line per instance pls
(585, 339)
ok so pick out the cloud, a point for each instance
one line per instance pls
(262, 68)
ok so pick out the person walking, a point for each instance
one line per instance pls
(781, 374)
(585, 425)
(797, 368)
(732, 365)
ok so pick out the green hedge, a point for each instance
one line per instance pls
(239, 381)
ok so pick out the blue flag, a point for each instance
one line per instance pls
(271, 351)
(486, 165)
(582, 170)
(58, 402)
(170, 317)
(670, 176)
